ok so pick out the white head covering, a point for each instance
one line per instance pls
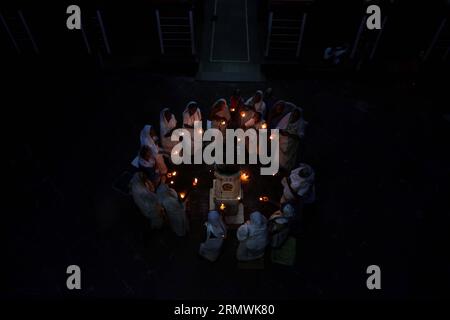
(164, 125)
(216, 225)
(222, 113)
(259, 106)
(257, 222)
(146, 140)
(256, 226)
(302, 184)
(297, 127)
(188, 118)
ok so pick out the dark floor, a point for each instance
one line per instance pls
(382, 167)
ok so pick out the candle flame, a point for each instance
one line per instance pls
(195, 182)
(182, 195)
(223, 122)
(242, 114)
(264, 199)
(171, 182)
(232, 109)
(222, 206)
(244, 177)
(174, 173)
(264, 126)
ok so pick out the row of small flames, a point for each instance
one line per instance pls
(245, 178)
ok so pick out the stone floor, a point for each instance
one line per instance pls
(382, 166)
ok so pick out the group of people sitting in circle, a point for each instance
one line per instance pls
(279, 232)
(160, 203)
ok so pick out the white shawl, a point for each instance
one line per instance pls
(164, 125)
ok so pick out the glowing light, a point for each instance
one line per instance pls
(243, 114)
(271, 137)
(244, 177)
(174, 173)
(195, 182)
(200, 131)
(222, 206)
(169, 175)
(171, 182)
(223, 123)
(264, 126)
(239, 139)
(239, 198)
(264, 199)
(232, 109)
(182, 195)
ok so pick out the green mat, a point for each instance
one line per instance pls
(285, 255)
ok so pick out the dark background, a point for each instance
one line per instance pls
(378, 140)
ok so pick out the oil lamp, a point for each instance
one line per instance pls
(244, 177)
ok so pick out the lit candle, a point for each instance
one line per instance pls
(232, 109)
(182, 195)
(264, 126)
(222, 206)
(171, 182)
(195, 182)
(174, 173)
(239, 198)
(264, 199)
(243, 114)
(223, 123)
(244, 177)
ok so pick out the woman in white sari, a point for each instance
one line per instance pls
(253, 238)
(167, 123)
(220, 115)
(292, 129)
(174, 208)
(147, 138)
(299, 185)
(257, 103)
(216, 232)
(191, 114)
(142, 191)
